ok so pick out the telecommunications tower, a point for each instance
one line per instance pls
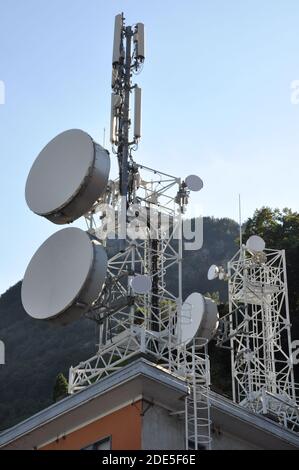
(137, 218)
(257, 330)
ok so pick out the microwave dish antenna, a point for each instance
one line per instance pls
(64, 277)
(256, 244)
(213, 272)
(194, 183)
(200, 318)
(67, 177)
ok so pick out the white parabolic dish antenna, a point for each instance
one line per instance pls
(199, 318)
(255, 244)
(67, 177)
(65, 276)
(194, 183)
(213, 272)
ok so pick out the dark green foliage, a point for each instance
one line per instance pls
(221, 381)
(60, 388)
(35, 353)
(214, 296)
(219, 245)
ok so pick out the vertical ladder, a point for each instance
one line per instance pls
(197, 404)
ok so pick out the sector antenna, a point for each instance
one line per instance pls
(138, 217)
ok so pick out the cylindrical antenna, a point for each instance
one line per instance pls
(137, 113)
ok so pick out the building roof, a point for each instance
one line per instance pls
(257, 429)
(140, 379)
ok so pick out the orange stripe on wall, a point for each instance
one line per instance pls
(123, 425)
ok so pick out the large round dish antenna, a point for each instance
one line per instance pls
(64, 277)
(255, 244)
(67, 177)
(194, 183)
(199, 318)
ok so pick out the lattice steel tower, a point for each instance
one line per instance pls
(259, 332)
(128, 293)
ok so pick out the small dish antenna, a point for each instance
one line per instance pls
(256, 244)
(213, 272)
(141, 284)
(200, 318)
(194, 183)
(64, 277)
(67, 177)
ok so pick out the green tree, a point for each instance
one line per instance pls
(280, 229)
(213, 296)
(60, 388)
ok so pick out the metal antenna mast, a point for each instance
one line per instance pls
(136, 311)
(123, 147)
(240, 222)
(128, 56)
(126, 293)
(258, 331)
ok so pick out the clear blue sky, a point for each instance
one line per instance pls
(216, 99)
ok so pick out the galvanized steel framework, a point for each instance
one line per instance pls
(258, 330)
(131, 324)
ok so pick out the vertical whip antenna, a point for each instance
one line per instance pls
(240, 222)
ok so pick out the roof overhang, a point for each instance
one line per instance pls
(247, 426)
(138, 380)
